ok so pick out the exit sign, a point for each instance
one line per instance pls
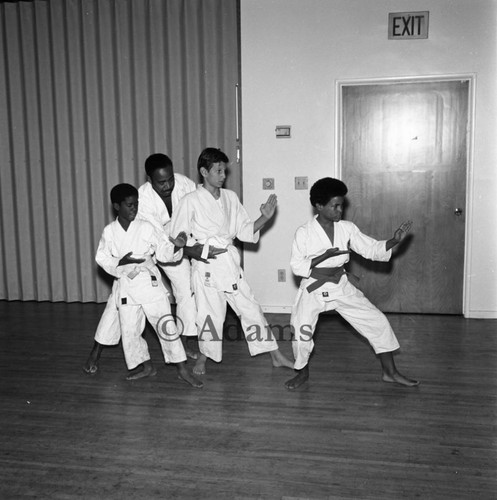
(408, 25)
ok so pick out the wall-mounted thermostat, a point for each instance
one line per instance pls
(283, 131)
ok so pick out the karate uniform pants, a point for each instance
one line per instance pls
(352, 305)
(211, 314)
(108, 329)
(179, 275)
(132, 323)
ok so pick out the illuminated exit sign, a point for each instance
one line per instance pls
(407, 25)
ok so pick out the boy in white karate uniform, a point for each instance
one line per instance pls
(213, 217)
(158, 197)
(128, 250)
(320, 250)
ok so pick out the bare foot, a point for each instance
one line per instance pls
(189, 343)
(398, 378)
(301, 378)
(144, 370)
(186, 376)
(199, 368)
(279, 360)
(191, 353)
(91, 366)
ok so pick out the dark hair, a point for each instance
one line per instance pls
(156, 161)
(325, 189)
(209, 156)
(120, 192)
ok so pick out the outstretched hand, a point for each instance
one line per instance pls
(402, 231)
(399, 234)
(268, 208)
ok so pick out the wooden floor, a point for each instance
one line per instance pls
(64, 434)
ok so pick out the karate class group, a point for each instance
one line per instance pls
(173, 227)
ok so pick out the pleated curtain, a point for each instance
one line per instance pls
(89, 89)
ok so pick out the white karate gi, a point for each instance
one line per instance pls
(153, 209)
(138, 292)
(311, 241)
(221, 281)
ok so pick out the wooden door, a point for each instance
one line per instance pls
(403, 156)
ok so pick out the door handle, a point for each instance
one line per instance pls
(458, 211)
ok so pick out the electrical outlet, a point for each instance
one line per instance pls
(300, 182)
(281, 275)
(268, 183)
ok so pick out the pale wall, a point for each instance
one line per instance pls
(293, 52)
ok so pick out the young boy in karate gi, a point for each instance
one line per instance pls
(128, 250)
(320, 250)
(214, 217)
(158, 197)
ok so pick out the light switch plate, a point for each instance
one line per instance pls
(283, 131)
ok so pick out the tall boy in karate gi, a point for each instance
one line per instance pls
(158, 197)
(213, 217)
(320, 250)
(128, 250)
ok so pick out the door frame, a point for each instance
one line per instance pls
(471, 79)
